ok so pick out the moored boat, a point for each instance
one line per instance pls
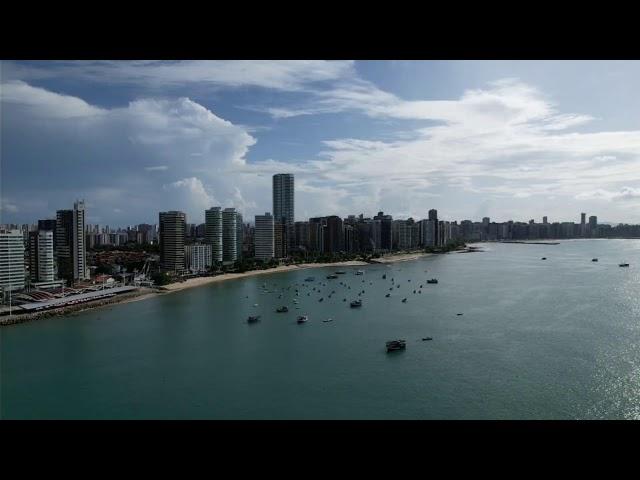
(253, 318)
(394, 345)
(433, 280)
(282, 309)
(302, 319)
(623, 265)
(356, 303)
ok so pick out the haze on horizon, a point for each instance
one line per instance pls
(512, 140)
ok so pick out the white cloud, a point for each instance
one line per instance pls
(156, 168)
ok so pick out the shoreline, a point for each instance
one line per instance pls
(145, 293)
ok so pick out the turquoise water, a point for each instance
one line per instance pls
(554, 339)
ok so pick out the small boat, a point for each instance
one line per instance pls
(414, 291)
(309, 279)
(255, 304)
(388, 295)
(543, 258)
(360, 272)
(394, 345)
(594, 259)
(341, 272)
(425, 339)
(384, 276)
(327, 320)
(282, 309)
(459, 314)
(623, 265)
(321, 299)
(433, 280)
(302, 319)
(398, 286)
(253, 318)
(404, 300)
(330, 277)
(356, 303)
(344, 299)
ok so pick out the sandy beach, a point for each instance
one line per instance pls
(401, 257)
(197, 282)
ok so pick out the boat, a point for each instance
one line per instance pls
(404, 300)
(356, 303)
(384, 277)
(398, 286)
(282, 309)
(360, 272)
(302, 319)
(426, 339)
(594, 259)
(433, 280)
(388, 295)
(543, 258)
(253, 318)
(340, 272)
(321, 299)
(623, 265)
(309, 279)
(330, 277)
(459, 314)
(327, 320)
(255, 304)
(394, 345)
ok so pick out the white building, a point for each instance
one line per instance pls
(229, 233)
(264, 237)
(11, 260)
(41, 263)
(197, 257)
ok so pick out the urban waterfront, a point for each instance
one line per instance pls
(538, 339)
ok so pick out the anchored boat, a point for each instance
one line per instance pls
(356, 303)
(302, 319)
(282, 309)
(433, 280)
(394, 345)
(253, 318)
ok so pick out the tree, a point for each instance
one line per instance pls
(161, 278)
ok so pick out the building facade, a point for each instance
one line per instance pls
(213, 232)
(12, 273)
(284, 203)
(264, 237)
(229, 232)
(172, 236)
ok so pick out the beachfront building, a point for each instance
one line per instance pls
(197, 257)
(239, 235)
(12, 274)
(264, 237)
(71, 246)
(284, 204)
(229, 233)
(172, 233)
(41, 264)
(213, 232)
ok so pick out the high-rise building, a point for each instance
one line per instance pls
(41, 264)
(593, 225)
(264, 237)
(213, 232)
(239, 235)
(71, 251)
(301, 235)
(433, 222)
(544, 220)
(280, 247)
(172, 236)
(11, 260)
(284, 203)
(229, 244)
(48, 224)
(197, 257)
(386, 240)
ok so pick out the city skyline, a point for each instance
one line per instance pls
(507, 140)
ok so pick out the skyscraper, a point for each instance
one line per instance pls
(385, 231)
(70, 243)
(283, 203)
(239, 235)
(41, 266)
(264, 237)
(583, 225)
(172, 234)
(213, 232)
(11, 260)
(229, 245)
(432, 227)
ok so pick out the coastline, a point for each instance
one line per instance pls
(145, 293)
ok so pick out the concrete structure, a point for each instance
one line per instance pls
(213, 232)
(41, 263)
(284, 203)
(197, 257)
(70, 243)
(239, 235)
(229, 232)
(172, 234)
(12, 274)
(264, 237)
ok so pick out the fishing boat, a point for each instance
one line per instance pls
(327, 320)
(282, 309)
(359, 272)
(433, 280)
(340, 272)
(356, 303)
(388, 295)
(404, 300)
(394, 345)
(543, 258)
(594, 259)
(623, 265)
(384, 277)
(253, 318)
(302, 319)
(459, 314)
(331, 277)
(425, 339)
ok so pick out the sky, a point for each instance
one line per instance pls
(511, 140)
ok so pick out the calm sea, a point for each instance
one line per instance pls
(552, 339)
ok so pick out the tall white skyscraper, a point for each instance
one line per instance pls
(71, 248)
(284, 203)
(229, 244)
(11, 260)
(213, 232)
(41, 264)
(264, 237)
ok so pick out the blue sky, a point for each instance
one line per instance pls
(505, 139)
